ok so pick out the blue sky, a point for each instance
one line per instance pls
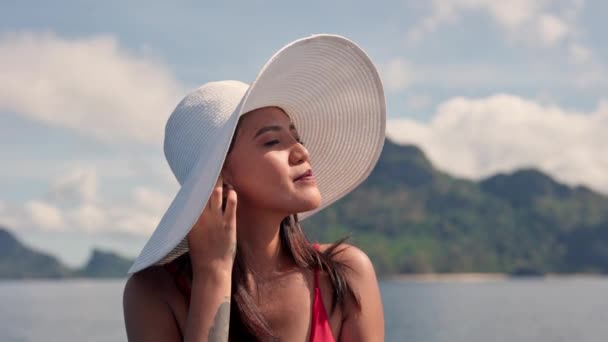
(481, 86)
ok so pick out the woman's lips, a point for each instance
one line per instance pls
(306, 179)
(307, 176)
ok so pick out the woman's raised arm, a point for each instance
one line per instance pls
(212, 248)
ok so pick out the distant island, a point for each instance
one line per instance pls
(18, 261)
(411, 218)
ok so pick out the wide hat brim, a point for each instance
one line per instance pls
(332, 92)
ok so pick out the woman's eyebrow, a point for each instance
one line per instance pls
(273, 128)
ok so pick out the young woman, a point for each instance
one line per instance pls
(229, 260)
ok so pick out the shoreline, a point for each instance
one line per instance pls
(485, 277)
(448, 277)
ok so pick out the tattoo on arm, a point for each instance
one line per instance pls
(233, 250)
(219, 330)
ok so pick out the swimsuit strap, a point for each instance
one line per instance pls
(320, 330)
(316, 246)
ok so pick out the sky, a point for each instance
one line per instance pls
(482, 86)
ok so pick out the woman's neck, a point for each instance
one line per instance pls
(259, 241)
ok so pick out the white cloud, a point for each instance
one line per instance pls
(64, 174)
(142, 215)
(44, 215)
(76, 186)
(88, 217)
(551, 29)
(148, 199)
(73, 204)
(511, 15)
(137, 223)
(478, 75)
(397, 74)
(90, 85)
(70, 229)
(579, 54)
(522, 20)
(476, 138)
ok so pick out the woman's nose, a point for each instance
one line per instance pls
(299, 154)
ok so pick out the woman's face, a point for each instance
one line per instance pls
(265, 160)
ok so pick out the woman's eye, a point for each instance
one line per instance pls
(272, 142)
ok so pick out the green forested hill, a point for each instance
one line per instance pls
(410, 217)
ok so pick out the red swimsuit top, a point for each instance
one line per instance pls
(320, 330)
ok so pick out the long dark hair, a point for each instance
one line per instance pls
(246, 321)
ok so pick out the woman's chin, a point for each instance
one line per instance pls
(312, 204)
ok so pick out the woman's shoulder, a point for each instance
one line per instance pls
(363, 319)
(147, 306)
(352, 256)
(148, 284)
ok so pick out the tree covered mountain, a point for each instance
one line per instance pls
(412, 218)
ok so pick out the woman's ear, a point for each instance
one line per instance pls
(226, 176)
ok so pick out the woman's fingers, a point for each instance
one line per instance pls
(215, 200)
(230, 211)
(212, 241)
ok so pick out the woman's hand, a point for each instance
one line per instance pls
(212, 242)
(212, 239)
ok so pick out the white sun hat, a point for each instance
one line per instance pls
(333, 94)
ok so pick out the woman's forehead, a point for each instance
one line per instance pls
(263, 117)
